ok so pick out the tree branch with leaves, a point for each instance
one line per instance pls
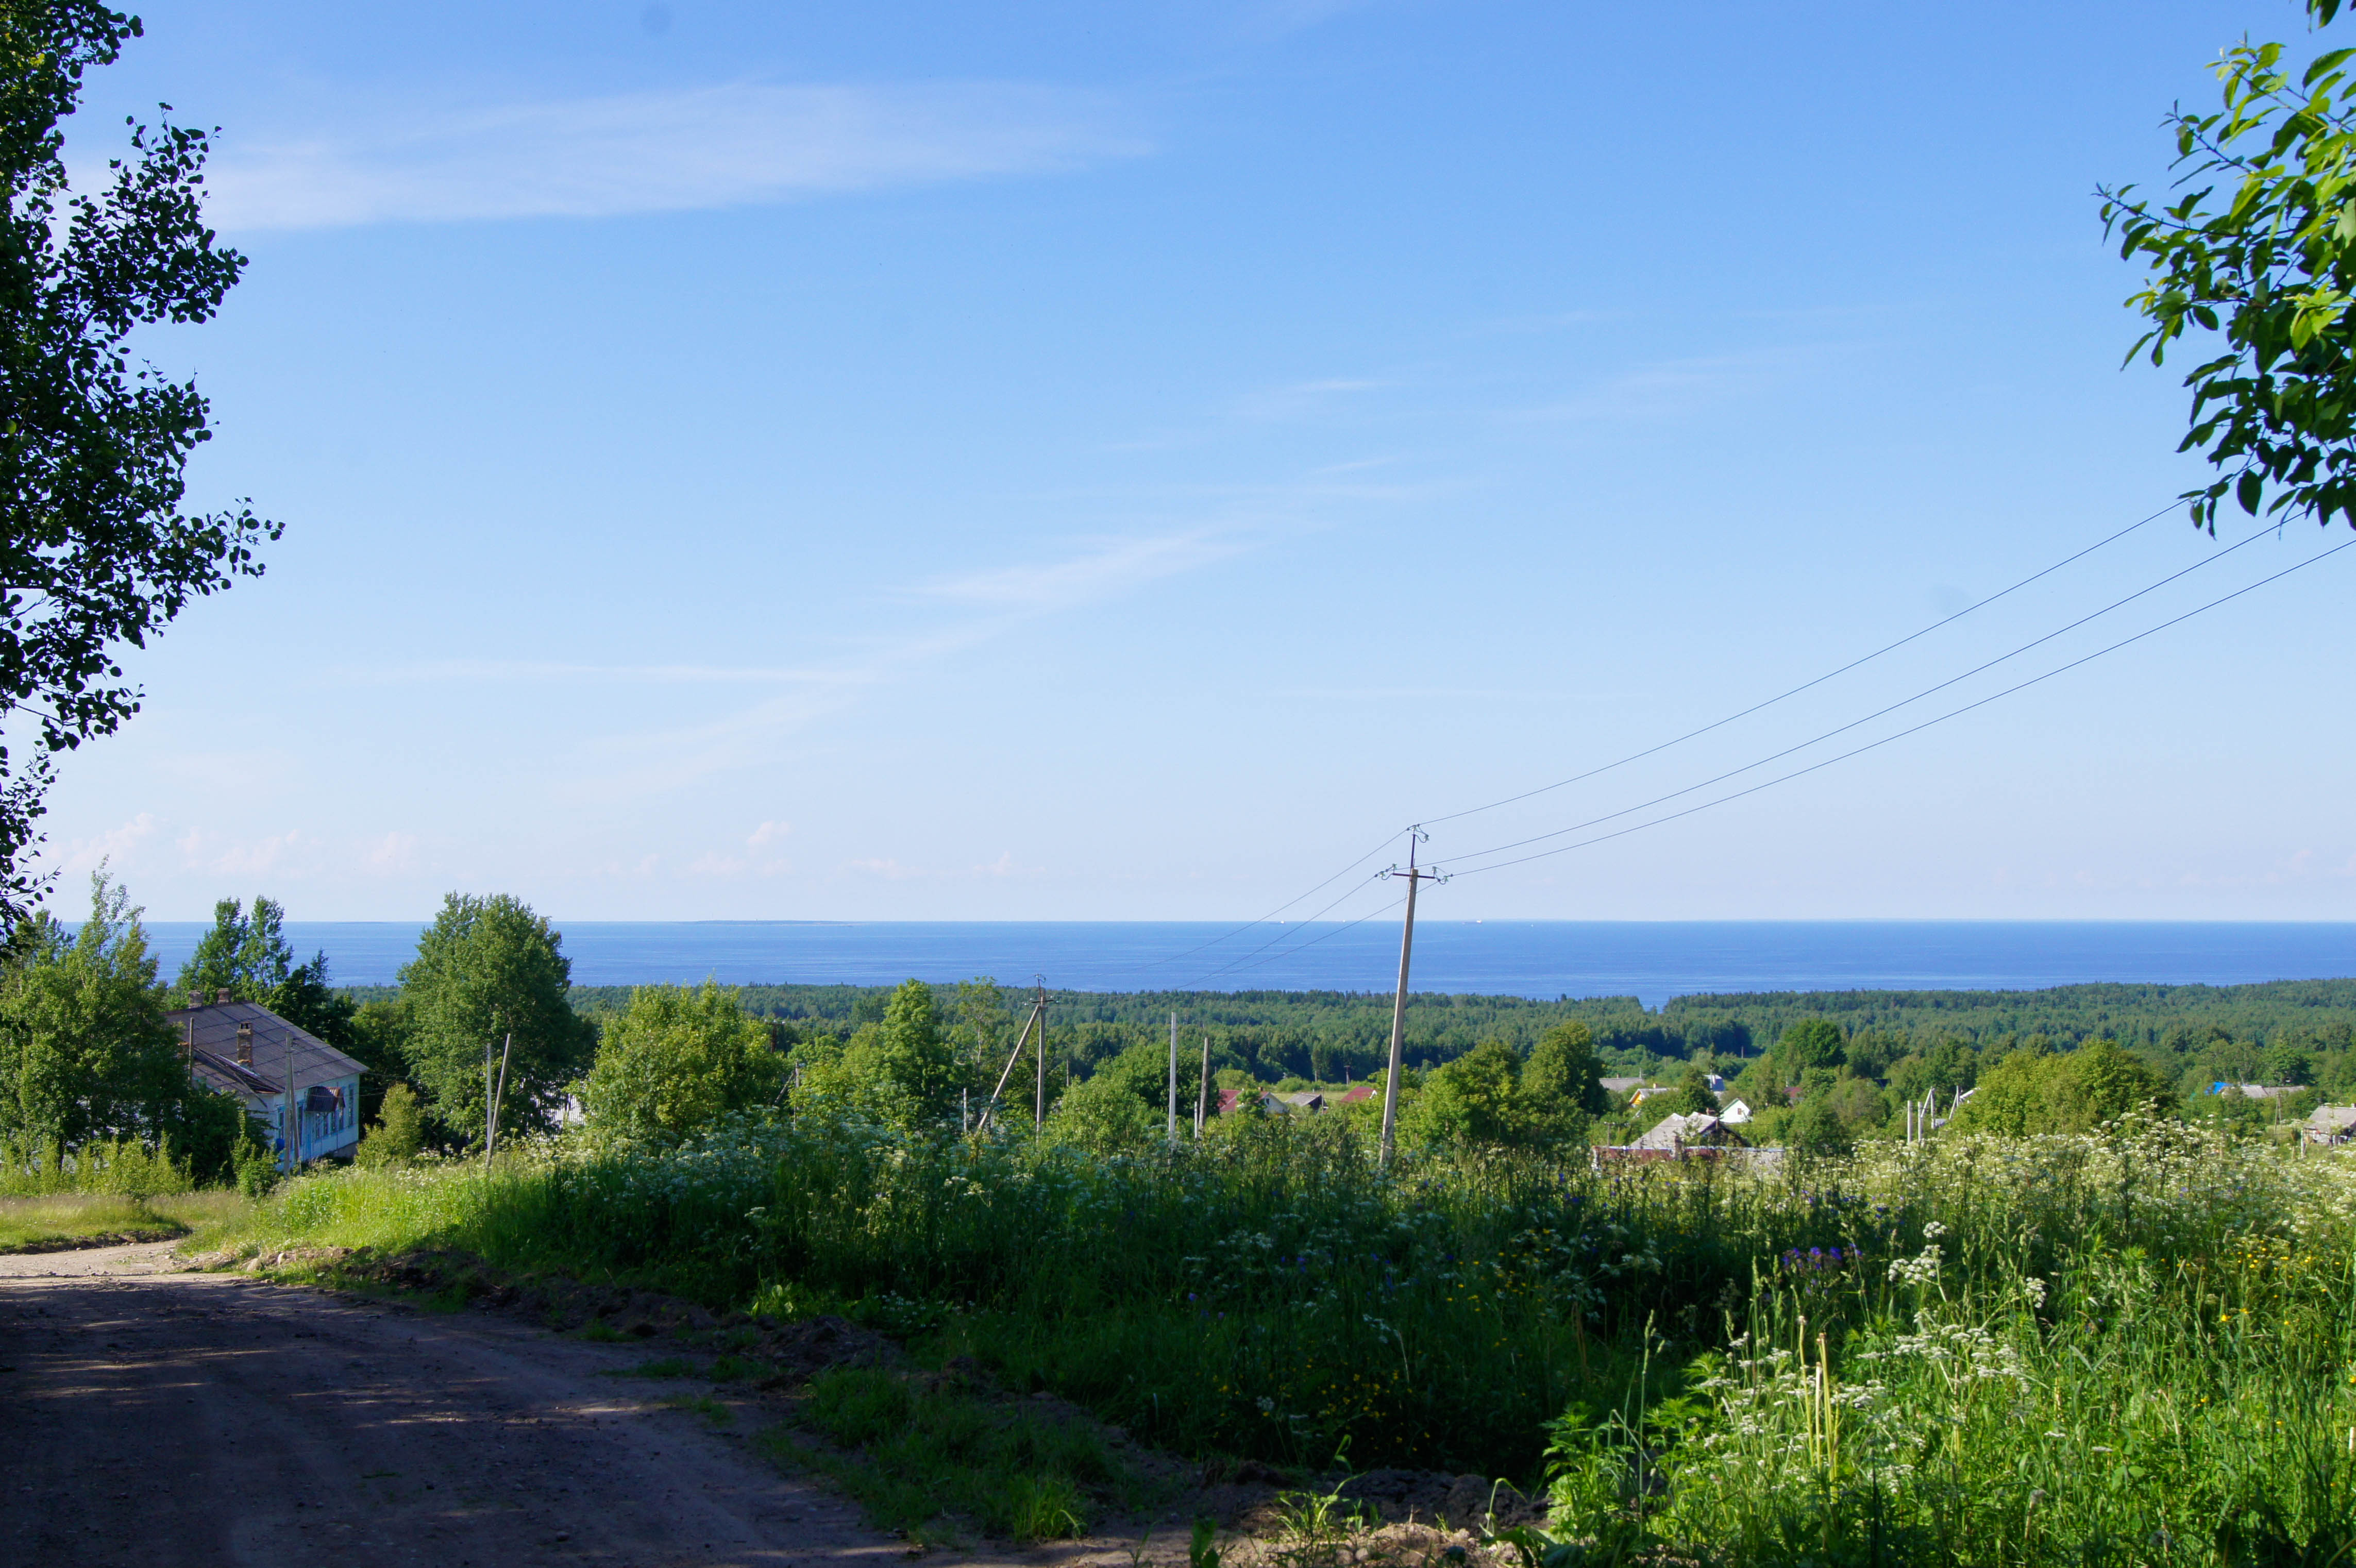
(2257, 257)
(95, 552)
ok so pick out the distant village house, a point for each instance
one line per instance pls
(244, 1049)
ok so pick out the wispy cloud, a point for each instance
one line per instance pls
(116, 844)
(728, 146)
(1302, 400)
(994, 600)
(893, 870)
(1674, 388)
(290, 853)
(507, 670)
(1100, 569)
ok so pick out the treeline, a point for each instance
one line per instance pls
(1339, 1036)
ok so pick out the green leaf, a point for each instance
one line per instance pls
(2248, 489)
(2325, 63)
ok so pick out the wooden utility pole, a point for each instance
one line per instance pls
(494, 1092)
(1399, 1004)
(1020, 1039)
(1039, 1117)
(1174, 1079)
(1203, 1091)
(294, 1127)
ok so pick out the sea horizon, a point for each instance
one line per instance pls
(1651, 960)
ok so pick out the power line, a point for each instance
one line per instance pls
(1328, 936)
(1280, 936)
(1637, 756)
(1882, 712)
(1803, 686)
(1263, 920)
(1886, 740)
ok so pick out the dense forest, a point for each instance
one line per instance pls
(1335, 1036)
(1874, 1050)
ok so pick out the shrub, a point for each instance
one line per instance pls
(400, 1130)
(676, 1059)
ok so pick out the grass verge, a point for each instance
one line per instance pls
(937, 1463)
(67, 1220)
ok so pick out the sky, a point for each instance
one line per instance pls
(1053, 461)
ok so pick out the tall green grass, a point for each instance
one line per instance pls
(1273, 1294)
(127, 1167)
(40, 1223)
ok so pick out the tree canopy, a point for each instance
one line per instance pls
(902, 1070)
(2258, 256)
(676, 1060)
(85, 1050)
(94, 549)
(486, 969)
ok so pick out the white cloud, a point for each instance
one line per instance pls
(393, 852)
(275, 855)
(116, 844)
(729, 145)
(490, 671)
(769, 833)
(1105, 569)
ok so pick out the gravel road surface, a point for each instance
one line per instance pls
(160, 1418)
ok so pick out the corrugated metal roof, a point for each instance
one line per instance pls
(277, 1044)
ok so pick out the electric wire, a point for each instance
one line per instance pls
(1346, 896)
(1691, 734)
(1829, 675)
(1900, 735)
(1877, 713)
(1248, 961)
(1263, 920)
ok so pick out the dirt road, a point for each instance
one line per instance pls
(162, 1419)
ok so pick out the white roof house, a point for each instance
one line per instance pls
(1687, 1131)
(2330, 1125)
(244, 1049)
(1734, 1113)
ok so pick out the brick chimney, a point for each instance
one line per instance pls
(220, 997)
(244, 1043)
(196, 998)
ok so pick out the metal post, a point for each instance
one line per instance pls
(1398, 1003)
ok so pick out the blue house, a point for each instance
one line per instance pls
(304, 1091)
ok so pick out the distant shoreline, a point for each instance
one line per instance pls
(1651, 960)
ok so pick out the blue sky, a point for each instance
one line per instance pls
(1055, 461)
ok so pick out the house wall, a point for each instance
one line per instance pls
(323, 1135)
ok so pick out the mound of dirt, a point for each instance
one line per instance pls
(1430, 1495)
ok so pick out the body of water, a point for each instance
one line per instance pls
(1651, 960)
